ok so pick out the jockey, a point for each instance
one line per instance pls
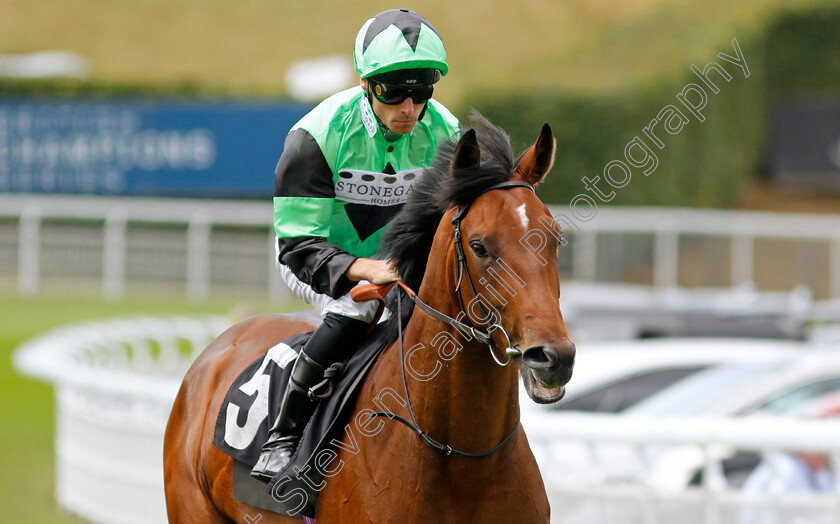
(346, 169)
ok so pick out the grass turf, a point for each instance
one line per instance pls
(247, 46)
(27, 456)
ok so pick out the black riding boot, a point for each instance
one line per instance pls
(295, 409)
(332, 341)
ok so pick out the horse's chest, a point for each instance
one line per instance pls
(409, 489)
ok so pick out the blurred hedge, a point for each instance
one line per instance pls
(802, 50)
(706, 164)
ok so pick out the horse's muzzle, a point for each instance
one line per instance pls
(551, 364)
(546, 369)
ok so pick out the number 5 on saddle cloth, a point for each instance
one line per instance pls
(252, 403)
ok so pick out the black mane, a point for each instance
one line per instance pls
(409, 236)
(408, 239)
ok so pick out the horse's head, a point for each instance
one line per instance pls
(508, 243)
(515, 278)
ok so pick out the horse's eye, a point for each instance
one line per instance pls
(478, 248)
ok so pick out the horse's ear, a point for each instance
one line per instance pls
(467, 154)
(537, 161)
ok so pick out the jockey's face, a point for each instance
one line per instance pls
(400, 118)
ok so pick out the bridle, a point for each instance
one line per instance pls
(484, 337)
(462, 270)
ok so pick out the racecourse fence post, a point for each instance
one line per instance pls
(584, 261)
(743, 244)
(666, 257)
(29, 250)
(114, 260)
(198, 257)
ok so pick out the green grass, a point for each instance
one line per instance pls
(247, 46)
(27, 458)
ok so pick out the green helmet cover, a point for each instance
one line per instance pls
(398, 39)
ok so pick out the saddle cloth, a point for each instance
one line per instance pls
(250, 407)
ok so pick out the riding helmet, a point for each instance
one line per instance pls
(399, 39)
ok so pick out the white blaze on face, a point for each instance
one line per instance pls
(523, 217)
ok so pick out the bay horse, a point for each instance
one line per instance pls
(464, 222)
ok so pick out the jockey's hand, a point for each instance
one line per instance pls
(374, 271)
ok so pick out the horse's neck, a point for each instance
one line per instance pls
(461, 394)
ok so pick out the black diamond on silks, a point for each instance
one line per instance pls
(409, 25)
(367, 219)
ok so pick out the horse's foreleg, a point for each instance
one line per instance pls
(186, 503)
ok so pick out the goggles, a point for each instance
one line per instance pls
(393, 95)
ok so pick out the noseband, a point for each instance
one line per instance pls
(461, 270)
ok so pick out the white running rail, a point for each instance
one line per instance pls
(611, 469)
(115, 382)
(205, 247)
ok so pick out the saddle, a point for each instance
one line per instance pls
(252, 403)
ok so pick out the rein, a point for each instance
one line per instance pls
(484, 337)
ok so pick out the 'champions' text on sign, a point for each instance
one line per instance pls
(162, 149)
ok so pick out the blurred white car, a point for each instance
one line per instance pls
(776, 384)
(611, 377)
(771, 375)
(783, 388)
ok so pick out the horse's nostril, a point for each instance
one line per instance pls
(538, 357)
(550, 356)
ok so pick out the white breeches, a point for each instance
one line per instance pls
(344, 305)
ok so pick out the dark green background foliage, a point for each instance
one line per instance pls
(707, 164)
(802, 53)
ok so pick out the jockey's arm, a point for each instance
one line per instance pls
(374, 271)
